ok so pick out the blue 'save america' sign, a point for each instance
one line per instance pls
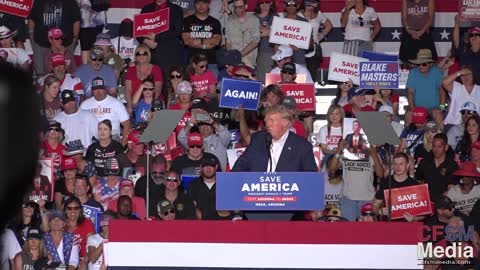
(270, 191)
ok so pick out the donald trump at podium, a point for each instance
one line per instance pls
(277, 149)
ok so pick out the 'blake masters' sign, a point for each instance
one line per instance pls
(381, 74)
(270, 191)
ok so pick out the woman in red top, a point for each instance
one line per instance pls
(136, 74)
(203, 80)
(80, 226)
(52, 146)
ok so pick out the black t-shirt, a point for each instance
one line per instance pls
(61, 188)
(437, 178)
(156, 191)
(127, 167)
(92, 203)
(184, 207)
(183, 165)
(202, 29)
(48, 14)
(98, 155)
(204, 197)
(384, 186)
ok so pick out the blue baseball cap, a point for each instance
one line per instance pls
(355, 91)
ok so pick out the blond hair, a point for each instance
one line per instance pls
(145, 48)
(42, 251)
(282, 111)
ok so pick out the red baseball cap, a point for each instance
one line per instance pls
(134, 136)
(126, 183)
(195, 139)
(474, 30)
(57, 59)
(68, 164)
(367, 208)
(55, 33)
(419, 115)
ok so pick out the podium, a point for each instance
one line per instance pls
(270, 196)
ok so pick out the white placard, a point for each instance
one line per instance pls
(290, 32)
(344, 67)
(233, 155)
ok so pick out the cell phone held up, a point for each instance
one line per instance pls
(202, 117)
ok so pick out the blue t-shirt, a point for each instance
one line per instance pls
(87, 74)
(141, 111)
(425, 87)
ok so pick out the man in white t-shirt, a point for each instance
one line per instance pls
(108, 107)
(78, 124)
(10, 248)
(284, 55)
(460, 93)
(59, 70)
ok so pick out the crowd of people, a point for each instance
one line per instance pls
(95, 108)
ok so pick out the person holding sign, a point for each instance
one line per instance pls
(277, 149)
(358, 19)
(400, 178)
(467, 192)
(284, 55)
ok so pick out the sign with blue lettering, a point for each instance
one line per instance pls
(374, 56)
(92, 213)
(240, 92)
(379, 74)
(270, 191)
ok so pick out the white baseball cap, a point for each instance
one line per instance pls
(386, 108)
(283, 51)
(184, 88)
(469, 106)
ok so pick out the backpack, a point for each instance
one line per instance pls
(100, 5)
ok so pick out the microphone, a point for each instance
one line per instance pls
(268, 144)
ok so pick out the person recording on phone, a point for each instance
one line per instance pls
(277, 149)
(216, 137)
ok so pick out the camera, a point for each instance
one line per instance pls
(202, 117)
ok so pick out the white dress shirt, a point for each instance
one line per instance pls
(276, 150)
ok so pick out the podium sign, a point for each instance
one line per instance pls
(260, 191)
(469, 10)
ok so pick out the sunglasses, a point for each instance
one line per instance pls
(54, 129)
(58, 38)
(175, 76)
(97, 59)
(27, 205)
(195, 146)
(291, 4)
(424, 64)
(288, 72)
(203, 66)
(468, 112)
(148, 89)
(171, 211)
(361, 21)
(158, 173)
(241, 76)
(172, 179)
(4, 38)
(73, 208)
(475, 35)
(140, 53)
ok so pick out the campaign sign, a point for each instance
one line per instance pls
(379, 74)
(92, 213)
(375, 56)
(153, 22)
(357, 145)
(19, 8)
(414, 200)
(469, 10)
(344, 67)
(274, 78)
(304, 95)
(240, 92)
(43, 181)
(290, 32)
(260, 191)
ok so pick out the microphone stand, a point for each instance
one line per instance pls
(389, 151)
(147, 173)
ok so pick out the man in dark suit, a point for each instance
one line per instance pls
(357, 145)
(277, 149)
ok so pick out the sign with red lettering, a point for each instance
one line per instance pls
(414, 200)
(290, 32)
(151, 23)
(304, 95)
(345, 67)
(469, 10)
(274, 78)
(19, 8)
